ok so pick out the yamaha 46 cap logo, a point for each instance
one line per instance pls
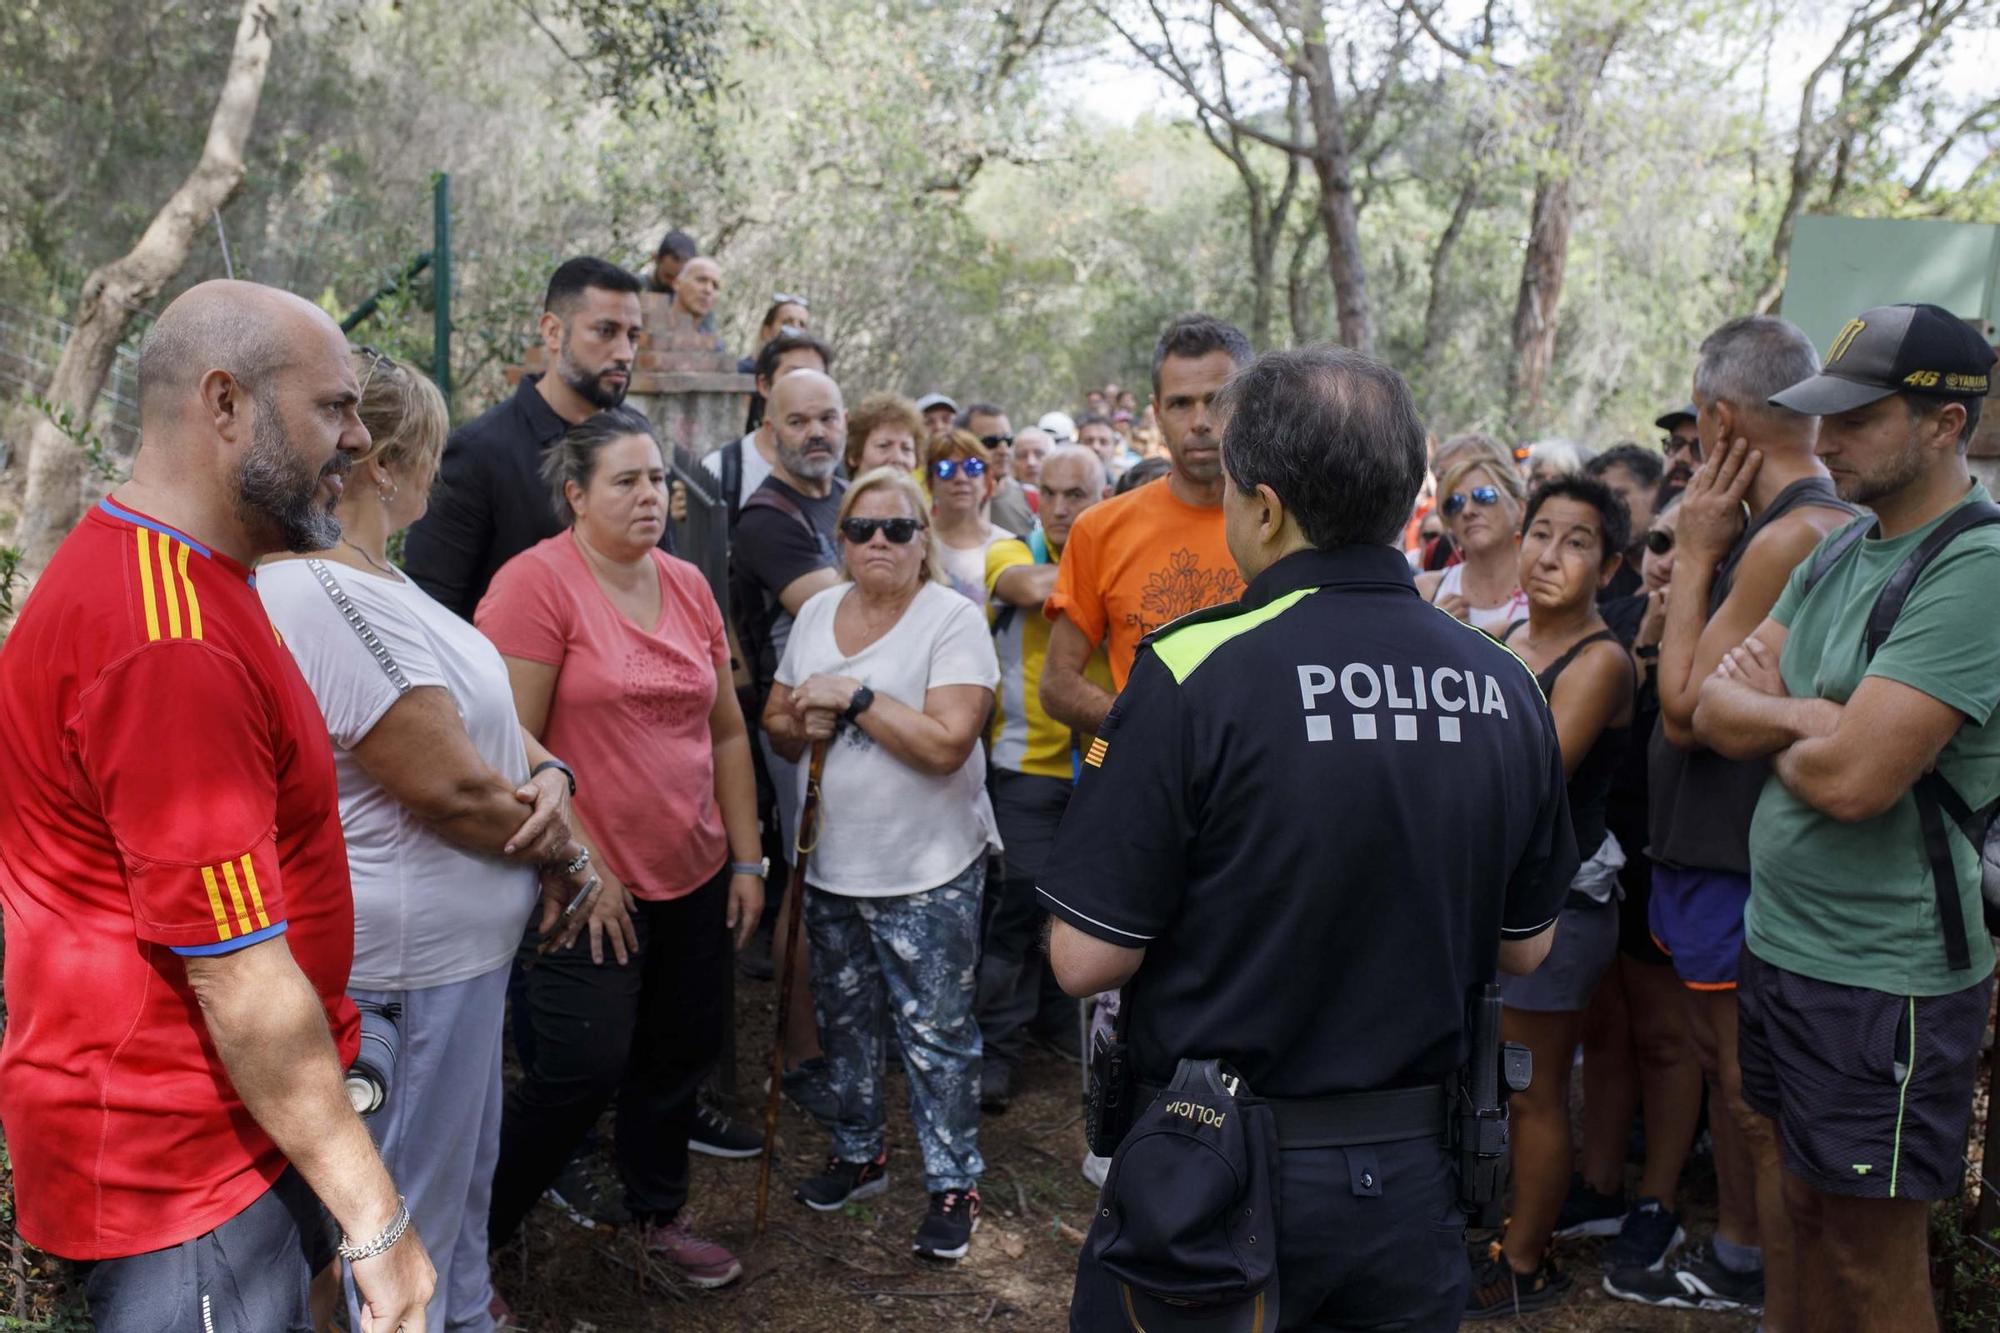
(1404, 701)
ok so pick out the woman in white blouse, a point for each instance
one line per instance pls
(896, 672)
(449, 808)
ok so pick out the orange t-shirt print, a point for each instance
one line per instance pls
(1138, 562)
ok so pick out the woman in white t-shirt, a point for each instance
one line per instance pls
(449, 807)
(960, 472)
(897, 673)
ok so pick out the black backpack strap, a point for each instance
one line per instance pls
(1935, 799)
(1889, 605)
(1834, 551)
(784, 504)
(732, 480)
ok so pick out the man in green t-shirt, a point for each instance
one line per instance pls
(1859, 1036)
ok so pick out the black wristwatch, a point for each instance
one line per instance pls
(547, 764)
(858, 704)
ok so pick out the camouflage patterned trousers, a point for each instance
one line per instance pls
(909, 960)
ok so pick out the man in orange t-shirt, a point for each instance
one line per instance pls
(1154, 554)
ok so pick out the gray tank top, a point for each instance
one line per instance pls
(1701, 803)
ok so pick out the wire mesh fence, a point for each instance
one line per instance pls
(30, 345)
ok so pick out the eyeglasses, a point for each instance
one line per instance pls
(947, 468)
(1673, 444)
(1485, 496)
(1659, 541)
(861, 531)
(995, 441)
(786, 298)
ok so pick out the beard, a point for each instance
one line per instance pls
(589, 385)
(277, 491)
(813, 467)
(1865, 488)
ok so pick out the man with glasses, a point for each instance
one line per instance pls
(1009, 507)
(1681, 444)
(1728, 573)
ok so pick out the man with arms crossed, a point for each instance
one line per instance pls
(179, 922)
(1867, 970)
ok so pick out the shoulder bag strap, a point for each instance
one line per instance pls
(359, 624)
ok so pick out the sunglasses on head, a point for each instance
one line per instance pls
(1486, 496)
(861, 531)
(786, 298)
(995, 441)
(1659, 541)
(947, 468)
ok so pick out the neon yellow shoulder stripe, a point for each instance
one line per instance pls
(1182, 650)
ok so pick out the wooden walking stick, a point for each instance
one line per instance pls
(801, 849)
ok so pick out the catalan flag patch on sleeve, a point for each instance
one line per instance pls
(1099, 747)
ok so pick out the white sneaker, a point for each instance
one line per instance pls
(1096, 1168)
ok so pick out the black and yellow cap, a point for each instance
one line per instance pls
(1895, 349)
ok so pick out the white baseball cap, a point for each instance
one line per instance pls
(1059, 425)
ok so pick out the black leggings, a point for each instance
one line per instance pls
(646, 1032)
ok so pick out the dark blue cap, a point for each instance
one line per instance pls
(1191, 1236)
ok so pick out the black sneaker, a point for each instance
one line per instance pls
(806, 1087)
(1587, 1213)
(754, 959)
(947, 1229)
(1498, 1292)
(1649, 1235)
(1700, 1281)
(719, 1136)
(996, 1086)
(844, 1182)
(578, 1192)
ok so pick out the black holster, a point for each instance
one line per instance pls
(1479, 1130)
(1110, 1105)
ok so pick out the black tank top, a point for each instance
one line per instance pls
(1701, 803)
(1590, 785)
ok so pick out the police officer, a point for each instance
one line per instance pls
(1336, 810)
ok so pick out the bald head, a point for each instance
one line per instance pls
(1072, 480)
(811, 423)
(247, 330)
(697, 286)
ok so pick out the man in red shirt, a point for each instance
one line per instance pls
(179, 923)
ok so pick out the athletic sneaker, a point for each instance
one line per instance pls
(719, 1136)
(947, 1229)
(700, 1261)
(1699, 1281)
(1498, 1292)
(1649, 1235)
(1587, 1213)
(844, 1182)
(806, 1087)
(589, 1204)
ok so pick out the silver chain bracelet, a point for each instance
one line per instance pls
(571, 869)
(383, 1243)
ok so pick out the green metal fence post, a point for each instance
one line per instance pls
(441, 283)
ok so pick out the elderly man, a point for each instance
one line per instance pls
(175, 882)
(1033, 759)
(1031, 446)
(695, 291)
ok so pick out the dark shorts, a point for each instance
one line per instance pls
(1697, 920)
(1635, 913)
(1871, 1092)
(1368, 1238)
(1586, 942)
(249, 1275)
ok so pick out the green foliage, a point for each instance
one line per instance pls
(79, 432)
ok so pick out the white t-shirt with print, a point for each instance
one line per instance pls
(885, 828)
(425, 913)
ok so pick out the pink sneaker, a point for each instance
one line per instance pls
(702, 1262)
(501, 1313)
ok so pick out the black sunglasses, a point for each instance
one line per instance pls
(995, 441)
(1673, 444)
(1659, 541)
(1487, 496)
(947, 468)
(861, 531)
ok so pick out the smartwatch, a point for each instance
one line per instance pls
(859, 704)
(761, 869)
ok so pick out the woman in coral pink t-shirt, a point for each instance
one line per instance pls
(620, 666)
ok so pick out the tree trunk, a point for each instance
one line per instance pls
(1434, 312)
(1298, 300)
(115, 292)
(1541, 294)
(1339, 214)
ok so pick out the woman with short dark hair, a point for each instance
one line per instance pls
(618, 659)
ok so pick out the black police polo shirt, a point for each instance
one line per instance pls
(1318, 810)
